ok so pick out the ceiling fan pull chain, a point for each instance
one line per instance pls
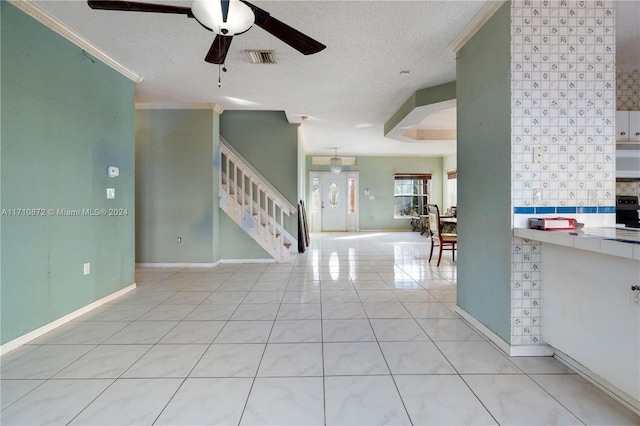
(219, 80)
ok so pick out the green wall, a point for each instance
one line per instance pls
(484, 175)
(236, 244)
(270, 144)
(65, 118)
(376, 174)
(177, 186)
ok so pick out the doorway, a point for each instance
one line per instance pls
(334, 202)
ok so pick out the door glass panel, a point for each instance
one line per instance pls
(316, 195)
(352, 195)
(333, 195)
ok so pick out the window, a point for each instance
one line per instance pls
(452, 189)
(411, 195)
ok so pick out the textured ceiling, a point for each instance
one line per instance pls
(349, 90)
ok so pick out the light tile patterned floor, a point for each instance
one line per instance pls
(360, 330)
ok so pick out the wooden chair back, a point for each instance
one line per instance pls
(434, 220)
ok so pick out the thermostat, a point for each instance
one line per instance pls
(113, 171)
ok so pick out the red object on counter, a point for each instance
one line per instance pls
(553, 223)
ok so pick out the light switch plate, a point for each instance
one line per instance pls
(87, 268)
(111, 193)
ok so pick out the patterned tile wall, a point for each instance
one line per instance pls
(526, 292)
(628, 188)
(628, 90)
(563, 96)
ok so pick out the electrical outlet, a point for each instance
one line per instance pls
(538, 154)
(87, 268)
(111, 193)
(179, 240)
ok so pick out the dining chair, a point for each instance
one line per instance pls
(445, 241)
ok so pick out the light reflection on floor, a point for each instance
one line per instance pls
(359, 330)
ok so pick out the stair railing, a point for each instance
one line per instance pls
(273, 199)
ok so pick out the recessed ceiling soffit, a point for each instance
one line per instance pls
(431, 134)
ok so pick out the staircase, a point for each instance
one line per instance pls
(254, 204)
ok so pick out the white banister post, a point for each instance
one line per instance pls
(243, 197)
(266, 216)
(235, 185)
(228, 178)
(251, 202)
(275, 222)
(282, 231)
(259, 209)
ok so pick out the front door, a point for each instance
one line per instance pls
(333, 196)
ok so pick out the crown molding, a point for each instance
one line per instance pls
(212, 106)
(476, 23)
(37, 13)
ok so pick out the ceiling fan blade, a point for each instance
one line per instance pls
(294, 38)
(133, 6)
(219, 49)
(224, 5)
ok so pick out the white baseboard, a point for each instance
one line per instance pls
(546, 350)
(368, 231)
(247, 261)
(202, 265)
(178, 265)
(25, 338)
(534, 350)
(602, 384)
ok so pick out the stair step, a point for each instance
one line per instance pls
(252, 215)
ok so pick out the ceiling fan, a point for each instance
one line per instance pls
(226, 18)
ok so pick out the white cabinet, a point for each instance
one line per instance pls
(627, 126)
(588, 313)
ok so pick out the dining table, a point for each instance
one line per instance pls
(449, 224)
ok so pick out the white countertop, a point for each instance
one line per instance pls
(621, 242)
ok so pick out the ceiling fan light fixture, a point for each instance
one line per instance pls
(335, 163)
(209, 13)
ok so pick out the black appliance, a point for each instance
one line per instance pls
(627, 211)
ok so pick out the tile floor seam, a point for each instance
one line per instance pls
(324, 373)
(395, 384)
(255, 376)
(297, 279)
(91, 402)
(556, 399)
(479, 400)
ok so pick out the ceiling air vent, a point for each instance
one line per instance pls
(261, 56)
